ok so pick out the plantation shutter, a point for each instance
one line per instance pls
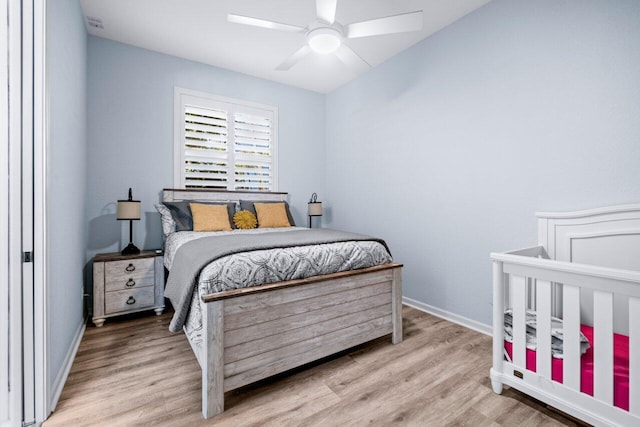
(253, 152)
(206, 152)
(224, 144)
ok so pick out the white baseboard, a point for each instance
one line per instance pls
(58, 384)
(447, 315)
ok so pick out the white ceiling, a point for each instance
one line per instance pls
(198, 30)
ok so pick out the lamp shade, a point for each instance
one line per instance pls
(315, 208)
(128, 209)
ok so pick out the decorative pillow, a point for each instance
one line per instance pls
(168, 224)
(181, 212)
(249, 206)
(245, 220)
(210, 217)
(271, 215)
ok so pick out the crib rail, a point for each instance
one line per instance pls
(515, 273)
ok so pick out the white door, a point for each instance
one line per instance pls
(10, 221)
(17, 142)
(4, 217)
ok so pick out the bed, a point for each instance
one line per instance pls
(244, 334)
(582, 280)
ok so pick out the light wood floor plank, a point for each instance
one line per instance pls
(134, 372)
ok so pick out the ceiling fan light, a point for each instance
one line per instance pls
(324, 40)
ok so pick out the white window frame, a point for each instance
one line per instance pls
(183, 97)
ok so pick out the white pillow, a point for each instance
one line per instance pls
(168, 224)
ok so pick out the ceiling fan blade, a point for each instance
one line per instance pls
(326, 10)
(403, 23)
(272, 25)
(294, 59)
(352, 59)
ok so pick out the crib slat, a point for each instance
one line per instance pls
(543, 334)
(603, 346)
(518, 291)
(499, 279)
(634, 356)
(532, 295)
(571, 335)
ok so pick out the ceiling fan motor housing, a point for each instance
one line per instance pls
(324, 39)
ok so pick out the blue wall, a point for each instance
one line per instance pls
(449, 148)
(131, 135)
(66, 177)
(445, 150)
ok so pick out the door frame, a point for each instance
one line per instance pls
(40, 260)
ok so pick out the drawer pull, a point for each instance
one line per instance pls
(130, 283)
(130, 268)
(131, 301)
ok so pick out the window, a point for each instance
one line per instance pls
(224, 143)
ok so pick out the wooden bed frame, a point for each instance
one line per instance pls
(254, 333)
(585, 270)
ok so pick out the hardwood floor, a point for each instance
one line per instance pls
(135, 372)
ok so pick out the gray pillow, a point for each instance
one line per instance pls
(181, 213)
(247, 205)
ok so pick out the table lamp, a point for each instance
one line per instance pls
(314, 207)
(129, 210)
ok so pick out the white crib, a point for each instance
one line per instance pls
(586, 270)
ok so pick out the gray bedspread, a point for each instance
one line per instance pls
(193, 256)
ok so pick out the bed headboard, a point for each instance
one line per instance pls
(205, 195)
(607, 237)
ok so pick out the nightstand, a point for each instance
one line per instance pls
(125, 284)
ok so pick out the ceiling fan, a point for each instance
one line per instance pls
(325, 35)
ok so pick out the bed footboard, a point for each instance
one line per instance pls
(525, 280)
(257, 332)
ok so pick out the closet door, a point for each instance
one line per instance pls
(4, 216)
(25, 221)
(17, 339)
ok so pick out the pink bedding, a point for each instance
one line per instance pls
(620, 367)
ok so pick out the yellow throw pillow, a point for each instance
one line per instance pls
(245, 220)
(271, 215)
(210, 217)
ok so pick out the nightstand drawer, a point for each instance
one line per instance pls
(124, 283)
(136, 269)
(128, 300)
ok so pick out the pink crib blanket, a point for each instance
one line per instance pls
(620, 367)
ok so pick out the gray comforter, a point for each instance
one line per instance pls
(193, 256)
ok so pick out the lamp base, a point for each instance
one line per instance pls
(131, 249)
(311, 223)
